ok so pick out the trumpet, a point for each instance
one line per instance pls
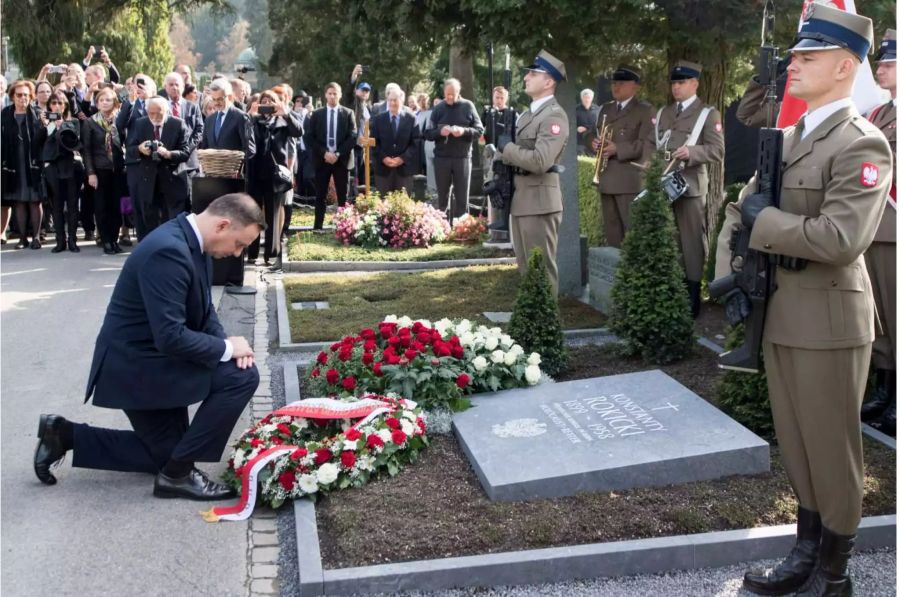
(604, 133)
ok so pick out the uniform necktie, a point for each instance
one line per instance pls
(679, 109)
(156, 133)
(800, 128)
(176, 111)
(220, 117)
(394, 124)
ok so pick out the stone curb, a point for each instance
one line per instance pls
(378, 266)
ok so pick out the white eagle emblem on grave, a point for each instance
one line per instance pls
(520, 428)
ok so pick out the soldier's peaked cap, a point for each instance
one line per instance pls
(888, 50)
(547, 63)
(827, 28)
(685, 70)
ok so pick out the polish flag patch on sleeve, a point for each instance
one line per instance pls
(555, 128)
(868, 176)
(718, 127)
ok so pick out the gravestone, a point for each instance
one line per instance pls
(603, 263)
(632, 430)
(498, 316)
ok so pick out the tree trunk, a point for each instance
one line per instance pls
(712, 90)
(462, 67)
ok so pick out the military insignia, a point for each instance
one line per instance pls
(718, 127)
(555, 129)
(653, 120)
(869, 175)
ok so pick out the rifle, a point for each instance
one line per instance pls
(500, 187)
(753, 271)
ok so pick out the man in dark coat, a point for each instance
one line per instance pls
(227, 127)
(162, 348)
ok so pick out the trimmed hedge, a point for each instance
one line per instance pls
(745, 396)
(591, 222)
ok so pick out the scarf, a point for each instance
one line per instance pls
(112, 134)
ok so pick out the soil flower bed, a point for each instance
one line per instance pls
(307, 246)
(437, 508)
(456, 293)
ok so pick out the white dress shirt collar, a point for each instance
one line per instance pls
(820, 114)
(192, 220)
(624, 104)
(536, 104)
(687, 103)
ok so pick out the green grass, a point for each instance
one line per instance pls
(360, 301)
(306, 246)
(305, 217)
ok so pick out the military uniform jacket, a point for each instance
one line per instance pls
(540, 139)
(710, 146)
(885, 118)
(751, 110)
(832, 194)
(633, 135)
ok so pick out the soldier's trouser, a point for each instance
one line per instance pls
(690, 219)
(815, 397)
(542, 232)
(881, 261)
(616, 217)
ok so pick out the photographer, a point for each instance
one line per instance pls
(104, 58)
(63, 170)
(21, 162)
(104, 163)
(155, 154)
(269, 176)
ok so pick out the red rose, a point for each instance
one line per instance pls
(435, 336)
(332, 376)
(285, 429)
(367, 333)
(348, 459)
(298, 453)
(403, 361)
(462, 381)
(323, 455)
(349, 383)
(377, 369)
(394, 340)
(367, 358)
(424, 337)
(322, 358)
(417, 346)
(454, 340)
(277, 441)
(442, 349)
(421, 423)
(287, 479)
(373, 441)
(417, 327)
(411, 354)
(256, 442)
(315, 372)
(458, 352)
(369, 345)
(405, 341)
(386, 332)
(353, 434)
(435, 362)
(335, 346)
(398, 437)
(393, 359)
(393, 422)
(404, 332)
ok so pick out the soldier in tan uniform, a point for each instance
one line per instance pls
(630, 120)
(881, 259)
(541, 135)
(820, 319)
(674, 128)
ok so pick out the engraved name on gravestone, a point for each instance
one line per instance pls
(632, 430)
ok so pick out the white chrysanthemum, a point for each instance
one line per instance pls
(491, 343)
(463, 326)
(390, 319)
(267, 430)
(364, 463)
(532, 374)
(506, 341)
(327, 473)
(301, 423)
(407, 427)
(497, 356)
(238, 459)
(534, 359)
(385, 435)
(308, 483)
(480, 363)
(511, 358)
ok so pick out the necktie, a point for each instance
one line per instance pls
(618, 107)
(679, 109)
(394, 124)
(220, 117)
(156, 133)
(331, 133)
(176, 112)
(800, 128)
(139, 106)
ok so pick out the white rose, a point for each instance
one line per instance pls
(482, 330)
(238, 459)
(407, 427)
(506, 341)
(497, 356)
(327, 473)
(534, 359)
(390, 319)
(495, 331)
(517, 349)
(491, 343)
(385, 435)
(480, 363)
(532, 374)
(301, 423)
(404, 322)
(424, 322)
(308, 483)
(463, 326)
(511, 358)
(467, 339)
(350, 446)
(408, 414)
(444, 323)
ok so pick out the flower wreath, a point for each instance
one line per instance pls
(310, 447)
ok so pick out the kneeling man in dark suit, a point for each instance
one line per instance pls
(396, 145)
(162, 348)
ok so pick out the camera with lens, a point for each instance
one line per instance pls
(244, 69)
(53, 116)
(154, 150)
(69, 135)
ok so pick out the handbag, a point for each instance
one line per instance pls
(126, 206)
(284, 178)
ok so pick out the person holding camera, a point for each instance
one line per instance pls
(104, 161)
(156, 151)
(60, 137)
(268, 175)
(21, 162)
(135, 109)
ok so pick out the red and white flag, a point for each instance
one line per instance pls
(866, 94)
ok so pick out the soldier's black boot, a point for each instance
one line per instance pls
(880, 398)
(797, 567)
(830, 578)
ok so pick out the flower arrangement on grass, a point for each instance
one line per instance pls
(469, 229)
(395, 221)
(319, 450)
(436, 364)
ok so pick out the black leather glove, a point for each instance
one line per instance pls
(503, 141)
(737, 306)
(752, 205)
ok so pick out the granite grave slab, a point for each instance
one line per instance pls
(632, 430)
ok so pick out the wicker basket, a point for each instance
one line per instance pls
(222, 163)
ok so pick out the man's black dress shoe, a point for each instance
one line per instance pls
(50, 448)
(194, 486)
(88, 235)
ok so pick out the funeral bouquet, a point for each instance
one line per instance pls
(469, 229)
(394, 221)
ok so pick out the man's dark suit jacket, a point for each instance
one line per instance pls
(143, 173)
(129, 113)
(190, 114)
(161, 339)
(403, 145)
(316, 137)
(236, 133)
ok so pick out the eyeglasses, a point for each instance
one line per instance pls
(51, 102)
(26, 94)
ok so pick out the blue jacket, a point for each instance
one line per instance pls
(161, 339)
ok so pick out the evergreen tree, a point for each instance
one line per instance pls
(745, 396)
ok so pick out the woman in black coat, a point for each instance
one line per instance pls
(268, 173)
(63, 169)
(104, 164)
(21, 163)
